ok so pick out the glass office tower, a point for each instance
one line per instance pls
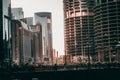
(5, 32)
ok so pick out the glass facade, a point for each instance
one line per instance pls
(1, 35)
(5, 35)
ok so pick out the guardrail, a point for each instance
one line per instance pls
(61, 67)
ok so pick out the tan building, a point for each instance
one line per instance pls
(60, 60)
(55, 57)
(80, 59)
(67, 59)
(37, 43)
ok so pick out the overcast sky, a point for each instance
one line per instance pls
(53, 6)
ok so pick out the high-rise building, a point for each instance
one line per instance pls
(5, 32)
(79, 29)
(17, 13)
(44, 19)
(28, 20)
(107, 29)
(55, 57)
(22, 38)
(37, 43)
(21, 43)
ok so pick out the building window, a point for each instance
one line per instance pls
(70, 0)
(110, 0)
(97, 2)
(103, 1)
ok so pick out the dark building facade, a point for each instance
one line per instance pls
(107, 29)
(5, 32)
(79, 27)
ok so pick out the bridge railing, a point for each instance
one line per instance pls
(62, 67)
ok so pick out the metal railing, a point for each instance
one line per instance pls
(62, 67)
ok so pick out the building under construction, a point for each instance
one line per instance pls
(79, 29)
(107, 29)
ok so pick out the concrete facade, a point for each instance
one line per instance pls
(79, 27)
(44, 18)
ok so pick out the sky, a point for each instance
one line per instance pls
(53, 6)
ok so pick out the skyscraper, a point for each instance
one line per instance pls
(28, 20)
(37, 43)
(79, 29)
(21, 42)
(44, 19)
(5, 32)
(107, 29)
(17, 13)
